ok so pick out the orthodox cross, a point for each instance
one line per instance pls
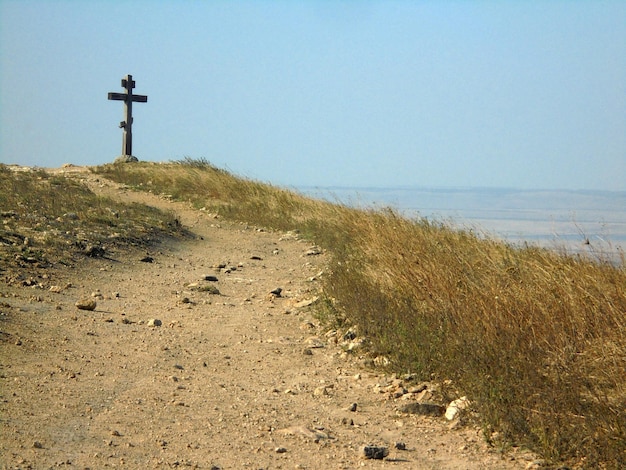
(127, 124)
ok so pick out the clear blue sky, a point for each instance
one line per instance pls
(525, 94)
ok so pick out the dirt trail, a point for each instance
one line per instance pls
(243, 379)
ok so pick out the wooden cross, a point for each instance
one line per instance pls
(127, 123)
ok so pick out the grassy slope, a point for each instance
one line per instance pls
(51, 220)
(535, 339)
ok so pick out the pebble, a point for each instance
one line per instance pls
(86, 304)
(375, 452)
(320, 391)
(154, 322)
(313, 251)
(277, 291)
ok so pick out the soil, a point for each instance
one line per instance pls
(242, 378)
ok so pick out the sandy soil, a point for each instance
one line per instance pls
(239, 379)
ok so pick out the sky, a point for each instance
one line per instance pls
(518, 94)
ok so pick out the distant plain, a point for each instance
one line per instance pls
(592, 222)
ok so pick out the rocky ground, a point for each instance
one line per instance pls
(204, 353)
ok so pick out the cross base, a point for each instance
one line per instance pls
(126, 159)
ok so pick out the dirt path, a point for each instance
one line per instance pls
(243, 379)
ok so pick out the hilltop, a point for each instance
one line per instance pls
(192, 357)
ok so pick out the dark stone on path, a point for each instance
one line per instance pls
(375, 452)
(94, 251)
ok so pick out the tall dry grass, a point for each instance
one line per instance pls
(536, 339)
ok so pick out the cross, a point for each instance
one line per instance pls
(127, 123)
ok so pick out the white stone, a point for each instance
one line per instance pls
(455, 406)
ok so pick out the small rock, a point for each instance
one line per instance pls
(86, 304)
(350, 334)
(320, 391)
(400, 446)
(277, 291)
(94, 251)
(313, 251)
(37, 445)
(210, 278)
(375, 452)
(352, 407)
(147, 259)
(418, 389)
(154, 322)
(455, 407)
(307, 352)
(280, 450)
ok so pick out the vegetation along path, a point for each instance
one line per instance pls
(204, 353)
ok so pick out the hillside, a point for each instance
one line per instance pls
(233, 377)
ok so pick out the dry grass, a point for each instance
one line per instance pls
(536, 339)
(49, 220)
